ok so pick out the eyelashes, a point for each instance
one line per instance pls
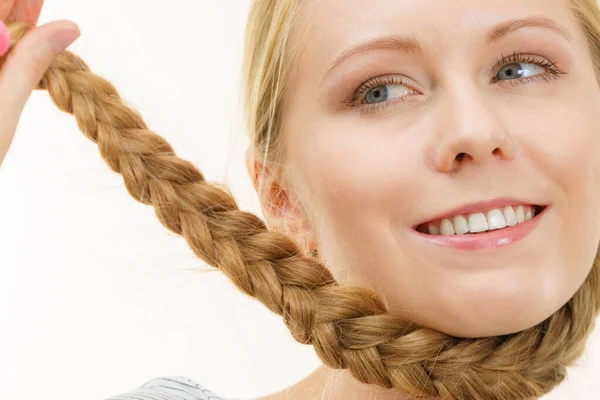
(550, 73)
(357, 97)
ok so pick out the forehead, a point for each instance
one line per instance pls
(331, 26)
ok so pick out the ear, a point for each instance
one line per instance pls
(281, 209)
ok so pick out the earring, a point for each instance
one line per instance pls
(314, 253)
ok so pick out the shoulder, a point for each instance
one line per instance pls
(169, 388)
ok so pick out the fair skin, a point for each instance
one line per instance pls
(357, 183)
(459, 125)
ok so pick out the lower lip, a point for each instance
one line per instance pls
(478, 241)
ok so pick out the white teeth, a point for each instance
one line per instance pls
(510, 216)
(433, 230)
(481, 222)
(461, 226)
(495, 220)
(477, 223)
(446, 228)
(520, 215)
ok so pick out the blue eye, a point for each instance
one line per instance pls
(519, 71)
(383, 93)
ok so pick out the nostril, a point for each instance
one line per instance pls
(460, 157)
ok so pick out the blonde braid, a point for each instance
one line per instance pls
(348, 326)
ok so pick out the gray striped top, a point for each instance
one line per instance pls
(169, 388)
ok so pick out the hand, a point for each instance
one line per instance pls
(27, 11)
(28, 61)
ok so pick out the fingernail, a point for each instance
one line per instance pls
(4, 39)
(63, 39)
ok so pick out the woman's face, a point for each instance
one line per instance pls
(410, 122)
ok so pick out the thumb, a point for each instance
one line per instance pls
(29, 60)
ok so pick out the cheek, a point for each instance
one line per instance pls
(557, 137)
(355, 176)
(566, 151)
(562, 145)
(359, 164)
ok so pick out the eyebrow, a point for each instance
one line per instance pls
(505, 28)
(409, 44)
(406, 44)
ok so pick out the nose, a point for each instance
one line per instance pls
(469, 131)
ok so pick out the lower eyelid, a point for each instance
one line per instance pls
(367, 109)
(547, 77)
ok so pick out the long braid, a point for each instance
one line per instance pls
(348, 326)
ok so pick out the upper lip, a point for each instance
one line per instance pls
(481, 206)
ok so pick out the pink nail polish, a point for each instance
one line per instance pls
(4, 39)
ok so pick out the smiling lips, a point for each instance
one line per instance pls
(478, 222)
(483, 225)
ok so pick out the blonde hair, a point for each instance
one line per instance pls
(348, 326)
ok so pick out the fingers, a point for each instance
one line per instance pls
(27, 11)
(6, 7)
(24, 68)
(29, 60)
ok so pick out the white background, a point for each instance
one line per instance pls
(96, 297)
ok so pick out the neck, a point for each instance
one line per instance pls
(335, 385)
(327, 383)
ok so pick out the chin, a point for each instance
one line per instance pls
(498, 324)
(506, 308)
